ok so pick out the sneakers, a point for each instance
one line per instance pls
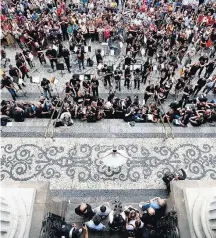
(140, 205)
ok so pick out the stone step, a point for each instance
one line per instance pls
(113, 128)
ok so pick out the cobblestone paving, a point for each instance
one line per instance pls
(76, 163)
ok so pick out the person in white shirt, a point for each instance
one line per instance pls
(103, 211)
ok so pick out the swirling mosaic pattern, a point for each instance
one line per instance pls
(82, 162)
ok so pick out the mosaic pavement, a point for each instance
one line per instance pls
(76, 163)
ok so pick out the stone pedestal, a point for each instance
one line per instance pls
(195, 204)
(23, 206)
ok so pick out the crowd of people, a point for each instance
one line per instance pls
(141, 222)
(168, 34)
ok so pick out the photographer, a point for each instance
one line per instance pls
(45, 84)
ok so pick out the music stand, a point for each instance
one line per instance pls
(60, 66)
(137, 66)
(36, 80)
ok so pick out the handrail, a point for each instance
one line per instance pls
(171, 129)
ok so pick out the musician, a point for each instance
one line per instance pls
(69, 90)
(7, 83)
(117, 76)
(52, 56)
(150, 90)
(86, 84)
(99, 57)
(127, 77)
(80, 57)
(45, 84)
(15, 74)
(128, 59)
(137, 74)
(107, 75)
(22, 67)
(66, 56)
(94, 86)
(27, 58)
(146, 71)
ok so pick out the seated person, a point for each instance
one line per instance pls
(95, 224)
(116, 221)
(134, 224)
(85, 210)
(155, 203)
(65, 118)
(103, 211)
(70, 231)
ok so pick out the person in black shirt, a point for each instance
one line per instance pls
(15, 74)
(45, 84)
(150, 90)
(200, 84)
(99, 57)
(94, 86)
(203, 60)
(137, 79)
(66, 56)
(7, 83)
(52, 56)
(146, 71)
(194, 69)
(117, 76)
(107, 75)
(186, 95)
(164, 74)
(22, 67)
(69, 90)
(209, 69)
(127, 75)
(80, 57)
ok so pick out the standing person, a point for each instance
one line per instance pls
(66, 56)
(80, 57)
(210, 85)
(98, 56)
(52, 56)
(209, 69)
(202, 60)
(137, 79)
(22, 67)
(117, 76)
(15, 74)
(200, 84)
(150, 90)
(127, 75)
(27, 58)
(186, 95)
(45, 84)
(107, 75)
(94, 86)
(7, 83)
